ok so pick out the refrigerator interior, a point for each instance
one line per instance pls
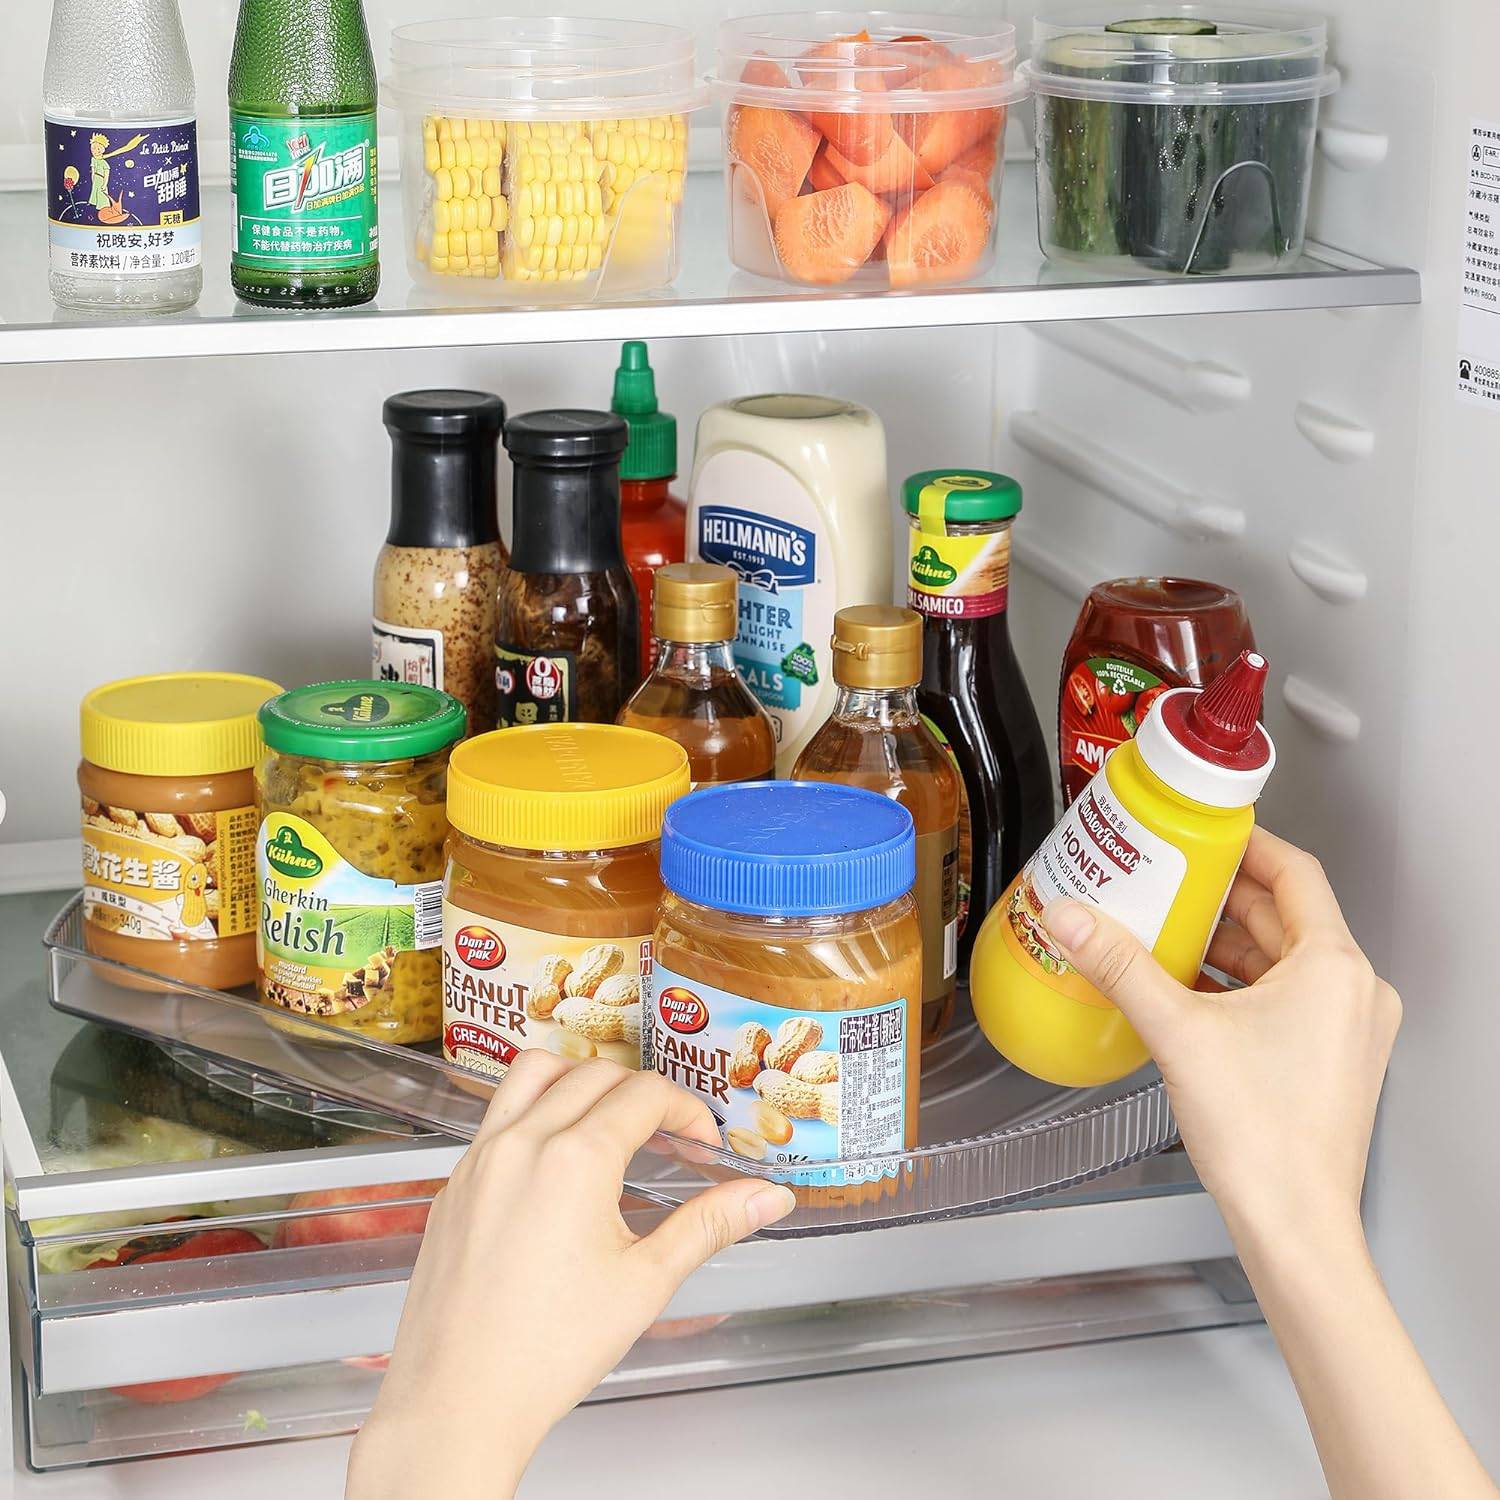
(159, 513)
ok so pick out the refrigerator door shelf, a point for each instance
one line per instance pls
(991, 1135)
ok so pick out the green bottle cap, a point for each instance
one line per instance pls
(652, 452)
(360, 720)
(967, 497)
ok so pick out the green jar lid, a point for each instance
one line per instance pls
(362, 720)
(966, 497)
(652, 450)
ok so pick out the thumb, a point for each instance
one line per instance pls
(717, 1218)
(1114, 961)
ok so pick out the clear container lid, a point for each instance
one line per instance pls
(1213, 57)
(868, 62)
(559, 67)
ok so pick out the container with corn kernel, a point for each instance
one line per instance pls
(543, 157)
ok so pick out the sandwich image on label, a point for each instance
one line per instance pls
(1154, 840)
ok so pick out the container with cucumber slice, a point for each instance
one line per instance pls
(1178, 143)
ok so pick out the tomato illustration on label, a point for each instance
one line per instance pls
(682, 1010)
(478, 947)
(1102, 703)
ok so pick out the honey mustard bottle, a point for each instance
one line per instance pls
(693, 694)
(877, 738)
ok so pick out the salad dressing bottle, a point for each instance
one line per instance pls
(1154, 840)
(693, 694)
(878, 739)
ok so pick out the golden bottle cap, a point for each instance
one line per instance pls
(694, 602)
(877, 646)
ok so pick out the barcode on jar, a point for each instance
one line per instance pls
(427, 913)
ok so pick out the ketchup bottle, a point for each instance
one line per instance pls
(653, 519)
(1135, 639)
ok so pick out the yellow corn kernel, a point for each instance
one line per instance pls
(599, 142)
(457, 262)
(549, 199)
(554, 230)
(549, 258)
(460, 127)
(444, 130)
(489, 243)
(658, 129)
(432, 155)
(447, 154)
(607, 199)
(429, 128)
(442, 184)
(534, 256)
(442, 215)
(474, 244)
(585, 228)
(484, 213)
(570, 230)
(481, 153)
(490, 182)
(653, 157)
(524, 230)
(460, 182)
(679, 156)
(632, 152)
(471, 213)
(502, 212)
(438, 265)
(580, 258)
(617, 149)
(596, 257)
(463, 153)
(575, 166)
(595, 200)
(601, 230)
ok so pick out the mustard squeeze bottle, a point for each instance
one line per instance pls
(1154, 840)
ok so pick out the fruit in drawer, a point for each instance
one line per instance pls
(184, 1244)
(357, 1222)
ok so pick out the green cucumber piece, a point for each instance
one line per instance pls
(1165, 26)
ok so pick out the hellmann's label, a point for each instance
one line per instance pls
(1101, 855)
(788, 1087)
(329, 933)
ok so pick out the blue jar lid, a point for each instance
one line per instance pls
(788, 849)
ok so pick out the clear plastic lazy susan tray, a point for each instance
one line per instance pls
(991, 1135)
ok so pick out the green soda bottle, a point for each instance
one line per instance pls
(302, 155)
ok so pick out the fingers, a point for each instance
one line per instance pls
(525, 1081)
(1111, 958)
(1251, 906)
(627, 1116)
(1304, 900)
(704, 1226)
(1238, 954)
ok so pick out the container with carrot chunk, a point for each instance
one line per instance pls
(864, 148)
(543, 156)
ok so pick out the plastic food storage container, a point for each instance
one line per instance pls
(864, 147)
(1179, 143)
(543, 155)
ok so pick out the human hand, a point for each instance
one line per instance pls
(530, 1286)
(1274, 1086)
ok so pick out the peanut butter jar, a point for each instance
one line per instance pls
(785, 987)
(168, 792)
(551, 890)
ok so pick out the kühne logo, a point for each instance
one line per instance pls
(290, 857)
(478, 947)
(928, 570)
(682, 1010)
(359, 708)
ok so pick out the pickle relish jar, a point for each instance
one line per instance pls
(551, 890)
(168, 803)
(349, 856)
(785, 987)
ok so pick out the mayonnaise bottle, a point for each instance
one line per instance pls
(1154, 840)
(790, 492)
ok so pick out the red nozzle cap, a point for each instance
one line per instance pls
(1223, 717)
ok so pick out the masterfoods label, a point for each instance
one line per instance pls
(1103, 702)
(1101, 855)
(169, 875)
(122, 200)
(328, 932)
(788, 584)
(304, 191)
(407, 653)
(788, 1087)
(508, 988)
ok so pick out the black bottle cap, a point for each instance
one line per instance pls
(444, 414)
(567, 437)
(443, 455)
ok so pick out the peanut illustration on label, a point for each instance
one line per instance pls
(595, 965)
(816, 1067)
(600, 1022)
(552, 971)
(799, 1100)
(793, 1037)
(750, 1045)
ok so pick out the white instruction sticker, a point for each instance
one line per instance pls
(1477, 366)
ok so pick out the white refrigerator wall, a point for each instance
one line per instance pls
(226, 513)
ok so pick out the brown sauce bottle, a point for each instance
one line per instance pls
(567, 624)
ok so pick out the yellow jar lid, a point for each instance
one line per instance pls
(568, 787)
(175, 724)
